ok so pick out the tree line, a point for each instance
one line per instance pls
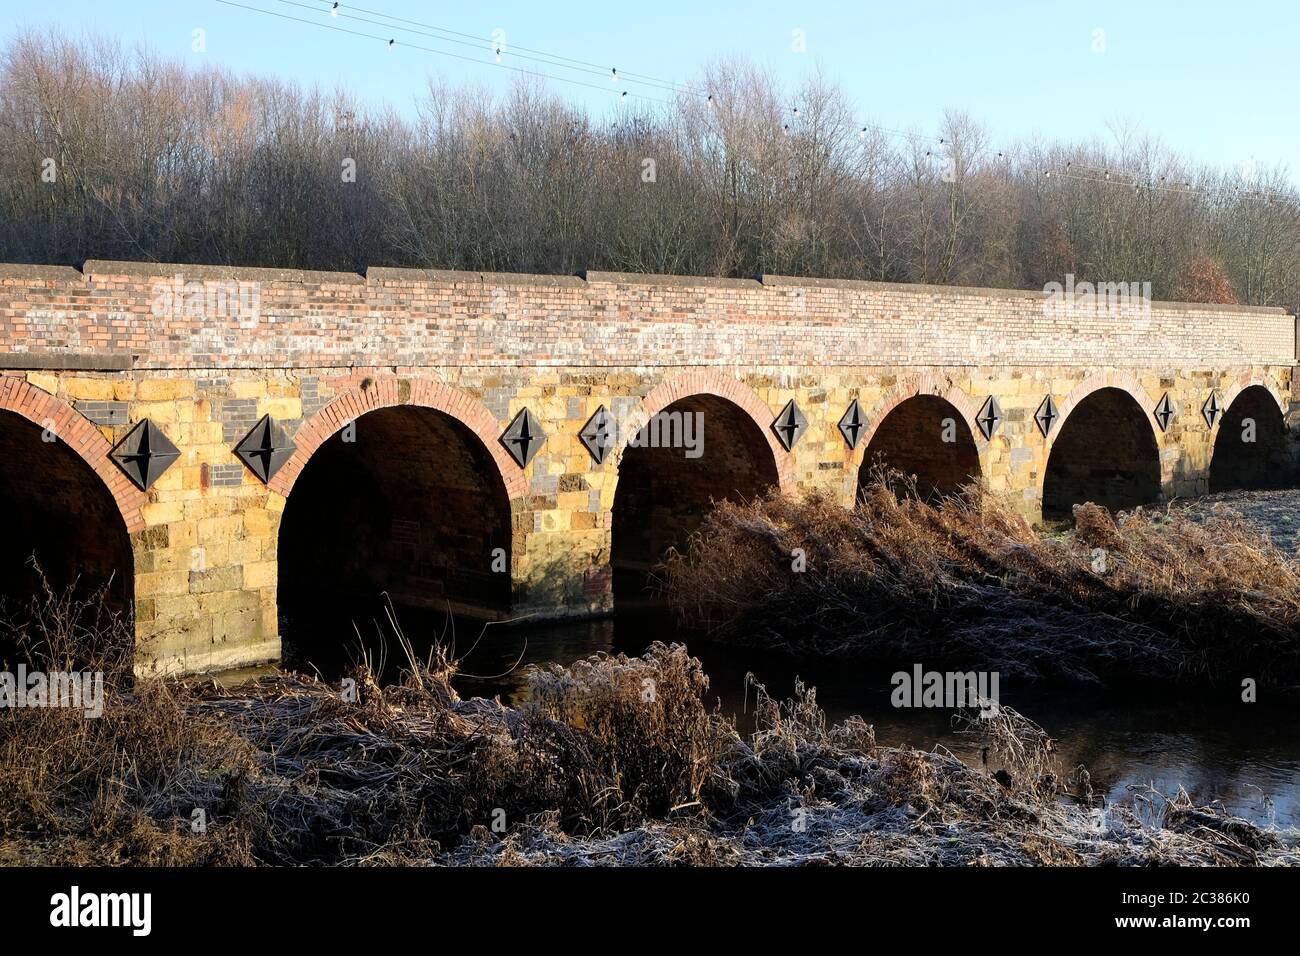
(124, 154)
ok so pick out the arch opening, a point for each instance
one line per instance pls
(663, 493)
(1105, 453)
(405, 505)
(1250, 449)
(924, 436)
(62, 527)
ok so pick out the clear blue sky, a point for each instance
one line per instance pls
(1217, 81)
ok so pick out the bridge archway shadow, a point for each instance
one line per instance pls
(57, 512)
(663, 495)
(407, 502)
(1250, 449)
(925, 436)
(1105, 452)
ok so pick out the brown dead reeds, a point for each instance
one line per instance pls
(968, 583)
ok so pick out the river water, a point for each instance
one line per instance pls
(1244, 756)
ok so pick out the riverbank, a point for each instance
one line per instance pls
(614, 760)
(1275, 512)
(1160, 595)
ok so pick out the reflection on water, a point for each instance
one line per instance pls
(1244, 756)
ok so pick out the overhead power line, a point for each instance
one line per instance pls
(392, 43)
(1164, 184)
(338, 9)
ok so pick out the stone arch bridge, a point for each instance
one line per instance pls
(228, 447)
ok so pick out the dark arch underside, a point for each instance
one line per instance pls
(663, 494)
(1250, 449)
(413, 507)
(1105, 453)
(926, 438)
(61, 526)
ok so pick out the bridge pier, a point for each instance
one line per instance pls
(398, 401)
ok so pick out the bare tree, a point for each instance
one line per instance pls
(113, 153)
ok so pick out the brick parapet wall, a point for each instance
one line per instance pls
(422, 318)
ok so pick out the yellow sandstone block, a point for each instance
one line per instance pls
(571, 501)
(44, 381)
(173, 479)
(161, 390)
(180, 607)
(248, 389)
(198, 433)
(259, 521)
(162, 512)
(88, 389)
(220, 529)
(160, 583)
(259, 574)
(162, 413)
(555, 521)
(245, 550)
(280, 408)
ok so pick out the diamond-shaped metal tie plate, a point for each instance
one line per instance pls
(853, 424)
(1047, 416)
(144, 454)
(989, 417)
(523, 438)
(1212, 409)
(790, 425)
(597, 436)
(1165, 411)
(266, 448)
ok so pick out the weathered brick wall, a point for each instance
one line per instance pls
(97, 351)
(430, 318)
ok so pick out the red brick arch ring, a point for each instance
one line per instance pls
(77, 432)
(391, 392)
(1238, 386)
(710, 382)
(910, 387)
(1123, 381)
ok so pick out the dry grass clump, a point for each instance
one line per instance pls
(64, 629)
(968, 583)
(602, 711)
(121, 787)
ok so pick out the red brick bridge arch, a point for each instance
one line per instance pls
(940, 398)
(70, 511)
(661, 495)
(718, 385)
(413, 513)
(1112, 455)
(1251, 381)
(80, 435)
(393, 392)
(1267, 462)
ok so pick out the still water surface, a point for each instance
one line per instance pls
(1246, 757)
